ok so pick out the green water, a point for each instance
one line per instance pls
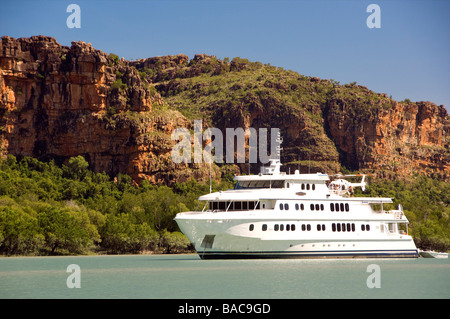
(186, 276)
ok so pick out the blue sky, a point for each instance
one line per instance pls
(408, 57)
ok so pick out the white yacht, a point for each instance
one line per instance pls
(279, 215)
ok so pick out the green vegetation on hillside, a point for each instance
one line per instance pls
(47, 210)
(239, 93)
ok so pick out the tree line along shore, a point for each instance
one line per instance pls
(50, 209)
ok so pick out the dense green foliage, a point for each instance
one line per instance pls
(46, 209)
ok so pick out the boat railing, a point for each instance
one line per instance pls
(398, 214)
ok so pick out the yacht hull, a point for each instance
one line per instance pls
(233, 239)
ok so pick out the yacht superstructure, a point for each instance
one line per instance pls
(279, 215)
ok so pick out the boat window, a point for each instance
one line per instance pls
(302, 207)
(264, 227)
(319, 227)
(251, 205)
(303, 186)
(311, 206)
(259, 184)
(332, 207)
(336, 207)
(313, 186)
(281, 206)
(308, 227)
(276, 227)
(296, 207)
(338, 226)
(303, 227)
(288, 227)
(307, 187)
(342, 207)
(293, 227)
(321, 207)
(286, 206)
(251, 227)
(317, 207)
(245, 205)
(363, 227)
(347, 208)
(333, 227)
(281, 227)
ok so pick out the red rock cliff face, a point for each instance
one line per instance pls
(58, 102)
(397, 137)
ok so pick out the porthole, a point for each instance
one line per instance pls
(251, 227)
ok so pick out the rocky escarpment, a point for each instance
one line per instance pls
(58, 102)
(324, 124)
(392, 137)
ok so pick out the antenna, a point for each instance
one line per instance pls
(210, 181)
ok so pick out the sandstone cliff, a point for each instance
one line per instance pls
(58, 102)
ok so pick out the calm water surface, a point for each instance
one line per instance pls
(186, 276)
